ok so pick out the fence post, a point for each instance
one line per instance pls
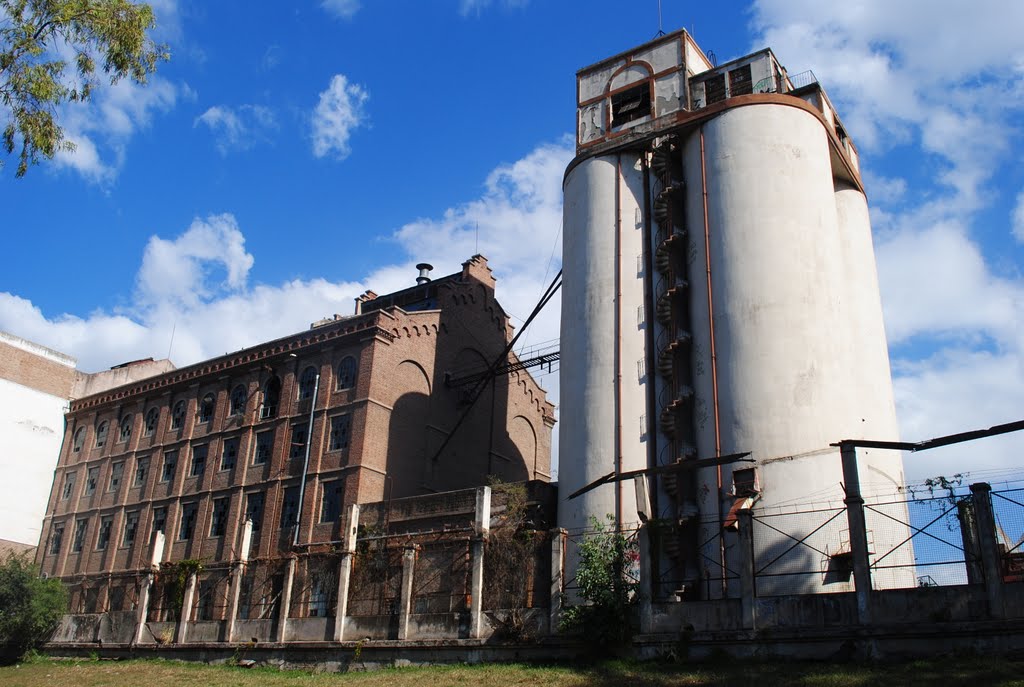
(286, 600)
(186, 608)
(981, 494)
(236, 581)
(858, 532)
(405, 600)
(482, 526)
(143, 611)
(747, 593)
(558, 537)
(345, 571)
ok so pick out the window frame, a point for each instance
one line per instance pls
(348, 372)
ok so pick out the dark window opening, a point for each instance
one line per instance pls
(714, 89)
(347, 373)
(290, 507)
(131, 524)
(271, 398)
(264, 444)
(227, 459)
(254, 509)
(740, 82)
(238, 398)
(219, 518)
(198, 460)
(152, 416)
(206, 409)
(300, 434)
(341, 426)
(178, 415)
(631, 104)
(159, 519)
(188, 521)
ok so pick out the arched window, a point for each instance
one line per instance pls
(152, 417)
(178, 415)
(307, 383)
(206, 408)
(79, 440)
(239, 396)
(347, 373)
(126, 429)
(101, 434)
(271, 398)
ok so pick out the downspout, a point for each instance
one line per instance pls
(305, 460)
(714, 360)
(618, 340)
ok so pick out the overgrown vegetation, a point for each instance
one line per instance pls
(176, 579)
(30, 607)
(607, 587)
(508, 565)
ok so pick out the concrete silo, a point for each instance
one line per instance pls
(719, 298)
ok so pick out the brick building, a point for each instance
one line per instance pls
(286, 433)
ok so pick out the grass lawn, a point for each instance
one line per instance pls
(941, 671)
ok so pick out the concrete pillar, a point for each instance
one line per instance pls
(186, 609)
(405, 594)
(142, 612)
(969, 537)
(348, 550)
(558, 538)
(858, 533)
(748, 602)
(981, 494)
(477, 546)
(286, 601)
(237, 573)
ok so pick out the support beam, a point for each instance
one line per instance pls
(482, 526)
(186, 609)
(286, 601)
(981, 494)
(348, 550)
(405, 598)
(858, 533)
(748, 602)
(558, 539)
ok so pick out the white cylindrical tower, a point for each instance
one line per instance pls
(603, 387)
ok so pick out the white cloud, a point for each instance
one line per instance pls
(240, 128)
(943, 89)
(179, 271)
(197, 286)
(343, 9)
(467, 7)
(339, 111)
(102, 128)
(1017, 220)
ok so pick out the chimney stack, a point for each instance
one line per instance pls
(424, 269)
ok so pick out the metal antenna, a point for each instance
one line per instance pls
(661, 32)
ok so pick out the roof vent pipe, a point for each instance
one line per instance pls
(424, 269)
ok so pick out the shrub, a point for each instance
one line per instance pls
(30, 607)
(606, 587)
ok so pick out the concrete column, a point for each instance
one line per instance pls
(477, 545)
(286, 601)
(142, 612)
(748, 603)
(236, 582)
(981, 494)
(969, 537)
(405, 598)
(558, 538)
(235, 593)
(345, 572)
(186, 609)
(858, 533)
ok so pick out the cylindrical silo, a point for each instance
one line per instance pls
(603, 402)
(762, 217)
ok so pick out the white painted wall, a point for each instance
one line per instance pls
(31, 431)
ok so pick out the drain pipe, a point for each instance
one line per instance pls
(305, 460)
(618, 340)
(714, 360)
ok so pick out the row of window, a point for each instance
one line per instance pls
(346, 378)
(341, 430)
(330, 511)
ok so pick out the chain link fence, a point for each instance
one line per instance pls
(802, 552)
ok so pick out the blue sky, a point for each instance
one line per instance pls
(291, 155)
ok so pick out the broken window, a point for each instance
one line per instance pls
(631, 104)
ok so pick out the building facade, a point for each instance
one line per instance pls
(287, 433)
(721, 318)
